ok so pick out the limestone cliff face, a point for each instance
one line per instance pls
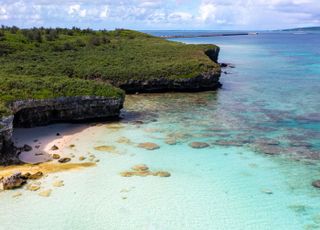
(203, 82)
(30, 113)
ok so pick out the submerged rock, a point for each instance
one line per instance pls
(228, 143)
(199, 145)
(269, 149)
(140, 168)
(267, 141)
(124, 140)
(316, 183)
(267, 191)
(149, 146)
(64, 160)
(171, 141)
(162, 174)
(301, 144)
(58, 183)
(45, 193)
(12, 182)
(105, 148)
(33, 187)
(17, 194)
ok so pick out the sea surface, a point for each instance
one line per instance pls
(263, 127)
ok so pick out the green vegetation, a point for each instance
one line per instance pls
(25, 87)
(45, 63)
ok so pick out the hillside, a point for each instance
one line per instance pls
(44, 63)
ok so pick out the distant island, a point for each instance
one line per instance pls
(52, 75)
(314, 28)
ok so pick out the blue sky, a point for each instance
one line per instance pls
(160, 14)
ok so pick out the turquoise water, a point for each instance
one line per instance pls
(268, 103)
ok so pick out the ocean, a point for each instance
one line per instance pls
(263, 128)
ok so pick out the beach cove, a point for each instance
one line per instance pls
(254, 173)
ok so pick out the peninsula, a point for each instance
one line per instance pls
(62, 75)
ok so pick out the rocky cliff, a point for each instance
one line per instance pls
(30, 113)
(205, 81)
(202, 82)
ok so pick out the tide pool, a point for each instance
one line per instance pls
(263, 131)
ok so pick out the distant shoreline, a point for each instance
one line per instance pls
(206, 35)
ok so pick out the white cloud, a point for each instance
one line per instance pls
(180, 16)
(3, 13)
(173, 14)
(104, 12)
(76, 10)
(207, 11)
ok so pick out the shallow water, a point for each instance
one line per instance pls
(268, 103)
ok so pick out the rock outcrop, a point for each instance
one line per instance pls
(203, 82)
(30, 113)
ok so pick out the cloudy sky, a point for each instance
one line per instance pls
(161, 14)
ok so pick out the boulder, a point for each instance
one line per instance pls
(199, 145)
(149, 146)
(36, 175)
(54, 148)
(26, 148)
(82, 158)
(64, 160)
(12, 182)
(55, 156)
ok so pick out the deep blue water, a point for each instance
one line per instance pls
(276, 82)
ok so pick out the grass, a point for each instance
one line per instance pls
(46, 63)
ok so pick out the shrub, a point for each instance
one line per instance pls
(105, 40)
(14, 29)
(33, 35)
(80, 43)
(95, 41)
(52, 35)
(5, 49)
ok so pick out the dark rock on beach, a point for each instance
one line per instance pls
(12, 182)
(64, 160)
(26, 148)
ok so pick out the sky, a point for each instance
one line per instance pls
(160, 14)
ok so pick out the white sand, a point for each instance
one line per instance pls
(41, 139)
